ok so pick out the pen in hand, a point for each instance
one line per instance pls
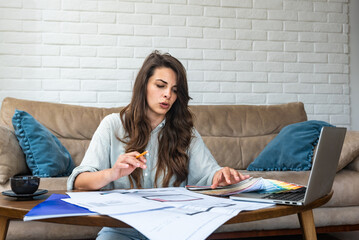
(145, 152)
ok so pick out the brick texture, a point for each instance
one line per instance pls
(236, 52)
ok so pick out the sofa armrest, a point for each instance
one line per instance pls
(354, 165)
(350, 149)
(12, 158)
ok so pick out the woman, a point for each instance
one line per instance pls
(157, 120)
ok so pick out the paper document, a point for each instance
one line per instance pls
(163, 210)
(249, 185)
(113, 202)
(197, 218)
(157, 213)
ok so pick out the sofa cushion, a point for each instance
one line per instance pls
(45, 155)
(12, 159)
(292, 149)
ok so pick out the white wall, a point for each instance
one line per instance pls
(236, 52)
(354, 63)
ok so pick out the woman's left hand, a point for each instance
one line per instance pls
(227, 176)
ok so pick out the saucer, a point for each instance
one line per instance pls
(10, 193)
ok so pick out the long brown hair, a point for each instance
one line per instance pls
(174, 138)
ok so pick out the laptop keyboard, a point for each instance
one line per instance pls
(292, 195)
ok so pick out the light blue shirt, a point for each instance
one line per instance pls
(105, 148)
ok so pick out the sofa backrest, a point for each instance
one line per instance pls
(235, 134)
(73, 125)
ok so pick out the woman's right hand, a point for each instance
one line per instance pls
(126, 164)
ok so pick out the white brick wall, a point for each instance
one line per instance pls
(236, 52)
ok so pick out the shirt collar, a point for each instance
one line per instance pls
(160, 126)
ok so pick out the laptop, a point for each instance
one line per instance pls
(321, 177)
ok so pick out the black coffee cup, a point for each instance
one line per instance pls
(24, 184)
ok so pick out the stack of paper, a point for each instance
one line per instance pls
(161, 210)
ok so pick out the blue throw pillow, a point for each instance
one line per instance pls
(45, 155)
(291, 150)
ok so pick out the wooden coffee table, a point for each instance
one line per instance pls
(10, 208)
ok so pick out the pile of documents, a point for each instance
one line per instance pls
(163, 212)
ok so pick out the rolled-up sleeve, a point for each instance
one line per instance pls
(97, 156)
(202, 165)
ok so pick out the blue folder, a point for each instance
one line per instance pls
(54, 207)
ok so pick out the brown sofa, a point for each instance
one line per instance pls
(235, 134)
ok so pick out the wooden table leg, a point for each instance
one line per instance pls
(306, 220)
(4, 225)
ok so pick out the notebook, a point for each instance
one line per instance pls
(321, 177)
